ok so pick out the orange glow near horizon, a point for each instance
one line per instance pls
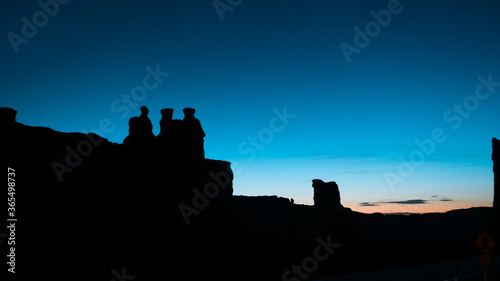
(429, 207)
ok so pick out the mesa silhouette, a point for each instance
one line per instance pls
(155, 206)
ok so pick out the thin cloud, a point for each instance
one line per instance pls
(407, 202)
(404, 202)
(446, 200)
(368, 204)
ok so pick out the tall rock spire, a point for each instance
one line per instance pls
(495, 156)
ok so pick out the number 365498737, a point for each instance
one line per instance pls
(11, 184)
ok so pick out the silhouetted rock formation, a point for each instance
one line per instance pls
(44, 153)
(326, 197)
(495, 156)
(329, 212)
(62, 156)
(133, 222)
(166, 130)
(7, 117)
(178, 148)
(172, 141)
(140, 131)
(213, 187)
(194, 135)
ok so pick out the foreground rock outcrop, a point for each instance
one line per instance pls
(329, 215)
(66, 159)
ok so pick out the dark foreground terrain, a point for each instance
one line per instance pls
(115, 214)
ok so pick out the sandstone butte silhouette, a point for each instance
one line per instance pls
(95, 206)
(178, 146)
(175, 156)
(177, 153)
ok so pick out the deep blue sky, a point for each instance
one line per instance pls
(352, 120)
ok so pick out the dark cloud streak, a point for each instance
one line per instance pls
(408, 202)
(404, 202)
(368, 204)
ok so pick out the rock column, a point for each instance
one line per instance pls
(495, 156)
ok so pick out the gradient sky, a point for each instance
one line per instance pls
(352, 122)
